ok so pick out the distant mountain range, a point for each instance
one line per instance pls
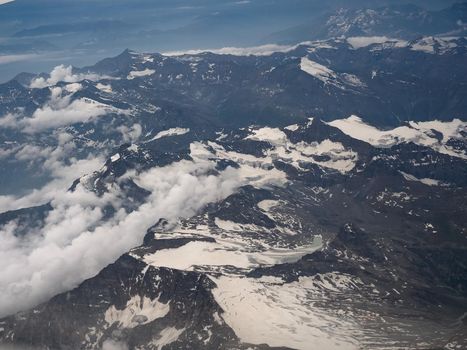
(403, 21)
(39, 35)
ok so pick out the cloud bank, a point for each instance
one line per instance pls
(60, 110)
(65, 74)
(263, 50)
(57, 162)
(67, 249)
(62, 172)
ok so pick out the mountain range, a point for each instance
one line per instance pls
(40, 35)
(306, 195)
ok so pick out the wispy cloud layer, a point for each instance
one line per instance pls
(65, 74)
(4, 59)
(60, 110)
(68, 248)
(63, 174)
(263, 50)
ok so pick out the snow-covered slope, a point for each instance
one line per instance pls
(433, 134)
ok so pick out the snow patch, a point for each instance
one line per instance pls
(142, 73)
(147, 58)
(425, 181)
(358, 42)
(227, 252)
(420, 133)
(170, 132)
(317, 70)
(340, 158)
(258, 172)
(103, 87)
(293, 127)
(328, 76)
(434, 45)
(335, 155)
(267, 311)
(115, 157)
(272, 135)
(167, 336)
(138, 311)
(268, 204)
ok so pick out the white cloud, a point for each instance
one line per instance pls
(58, 163)
(4, 59)
(59, 111)
(8, 121)
(6, 152)
(68, 248)
(132, 133)
(358, 42)
(55, 161)
(49, 116)
(263, 50)
(65, 74)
